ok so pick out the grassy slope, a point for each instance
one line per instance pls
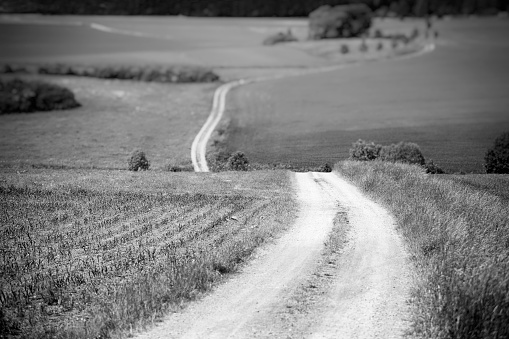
(96, 252)
(458, 238)
(451, 102)
(496, 184)
(115, 118)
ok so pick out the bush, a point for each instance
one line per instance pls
(405, 152)
(363, 47)
(21, 96)
(497, 157)
(344, 49)
(238, 162)
(325, 168)
(433, 168)
(364, 151)
(138, 161)
(279, 38)
(378, 34)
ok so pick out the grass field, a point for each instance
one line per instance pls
(458, 240)
(452, 102)
(94, 253)
(115, 118)
(496, 184)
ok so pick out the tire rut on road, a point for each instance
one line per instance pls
(368, 298)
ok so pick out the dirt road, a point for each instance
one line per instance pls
(371, 281)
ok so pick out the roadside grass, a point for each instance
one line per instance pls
(459, 241)
(103, 257)
(496, 184)
(116, 117)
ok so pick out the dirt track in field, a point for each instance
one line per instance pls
(367, 298)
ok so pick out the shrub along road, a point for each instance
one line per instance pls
(367, 299)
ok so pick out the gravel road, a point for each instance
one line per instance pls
(366, 300)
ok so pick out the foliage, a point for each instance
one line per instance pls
(80, 263)
(363, 47)
(325, 168)
(458, 237)
(138, 161)
(497, 157)
(433, 168)
(342, 21)
(364, 151)
(279, 38)
(172, 74)
(22, 96)
(238, 162)
(249, 8)
(405, 152)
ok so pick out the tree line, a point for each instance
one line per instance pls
(249, 8)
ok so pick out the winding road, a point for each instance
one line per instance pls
(367, 299)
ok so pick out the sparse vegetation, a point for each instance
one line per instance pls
(497, 157)
(88, 261)
(24, 96)
(458, 237)
(138, 161)
(173, 74)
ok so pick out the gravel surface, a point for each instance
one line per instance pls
(367, 295)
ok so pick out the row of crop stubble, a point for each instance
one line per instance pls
(82, 263)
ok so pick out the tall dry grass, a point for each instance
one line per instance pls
(459, 240)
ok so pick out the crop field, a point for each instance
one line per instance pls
(115, 118)
(452, 102)
(94, 258)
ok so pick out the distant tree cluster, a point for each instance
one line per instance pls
(249, 8)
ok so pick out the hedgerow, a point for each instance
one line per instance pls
(173, 74)
(23, 96)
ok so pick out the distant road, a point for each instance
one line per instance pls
(452, 102)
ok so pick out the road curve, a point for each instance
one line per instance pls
(199, 145)
(368, 298)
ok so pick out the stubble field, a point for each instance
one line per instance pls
(87, 258)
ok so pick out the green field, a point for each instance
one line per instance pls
(90, 253)
(452, 102)
(116, 117)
